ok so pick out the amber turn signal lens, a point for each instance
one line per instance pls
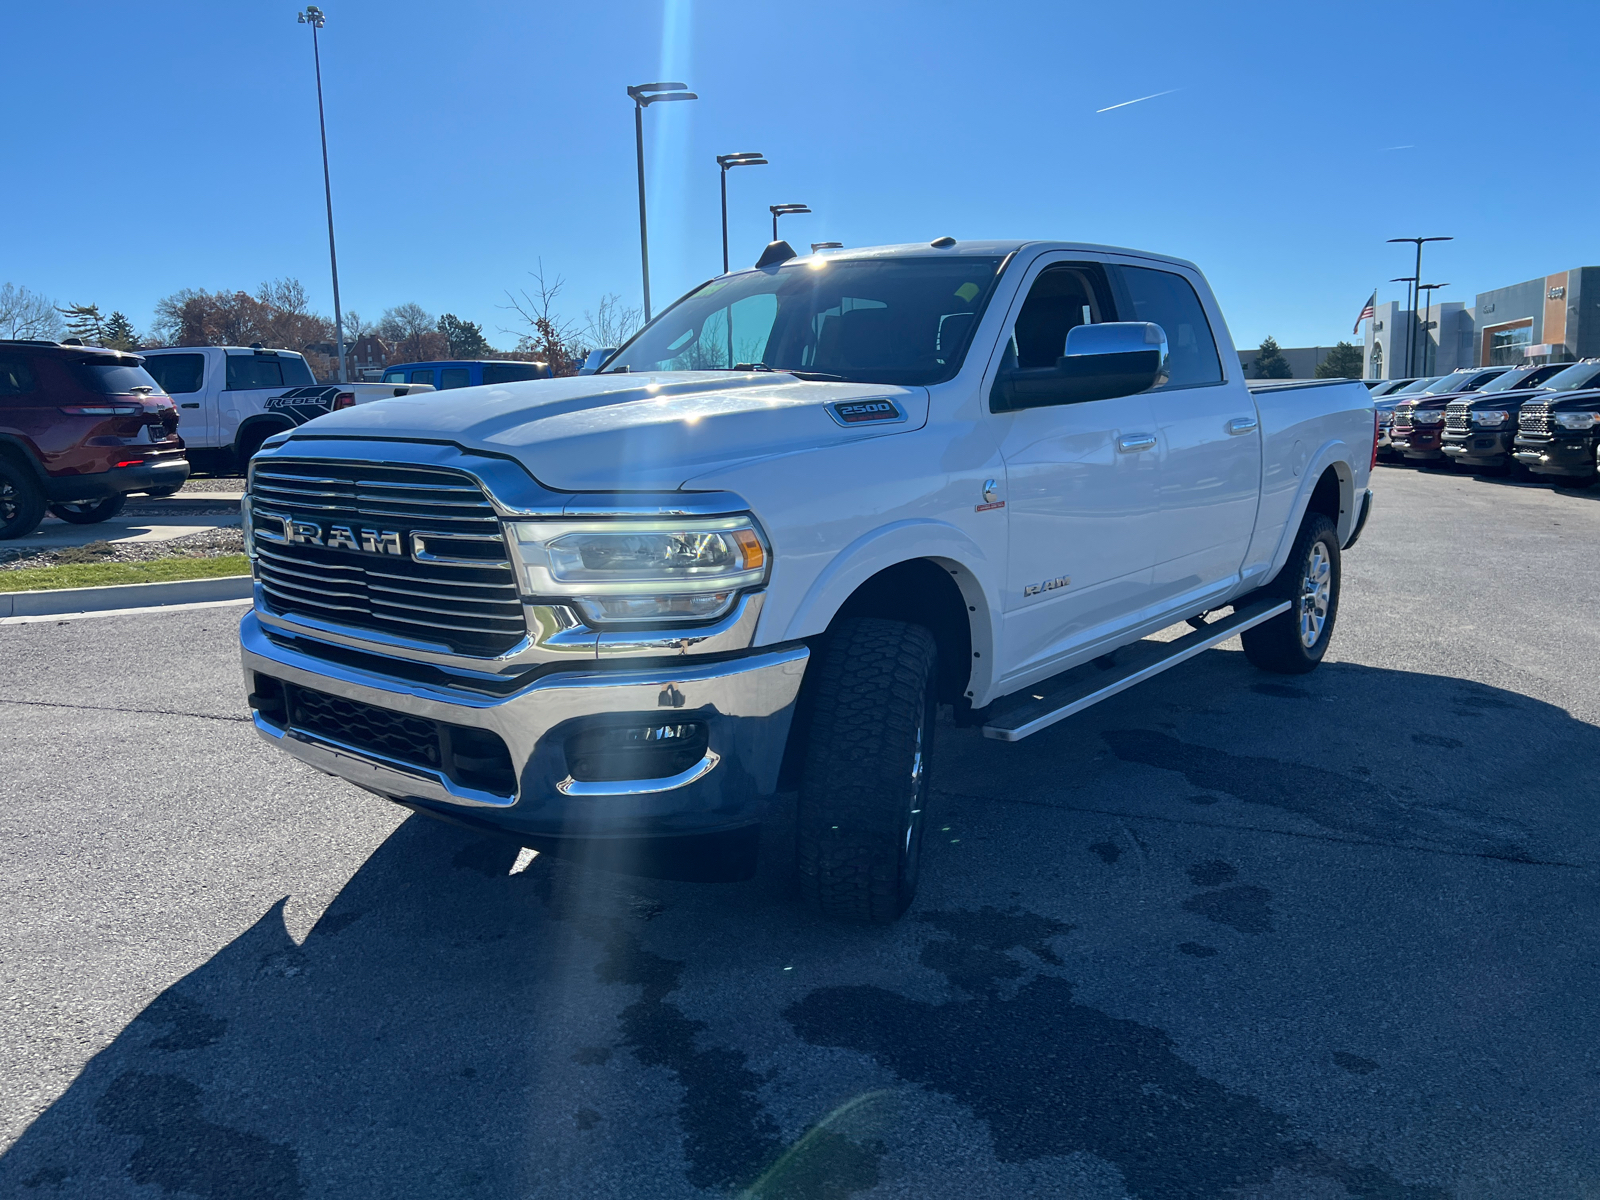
(754, 556)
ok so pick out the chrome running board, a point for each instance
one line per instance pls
(1075, 690)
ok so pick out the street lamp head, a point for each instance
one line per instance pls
(312, 16)
(1404, 279)
(780, 210)
(646, 94)
(749, 158)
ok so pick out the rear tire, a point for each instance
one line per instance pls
(22, 504)
(864, 787)
(247, 446)
(1294, 642)
(89, 512)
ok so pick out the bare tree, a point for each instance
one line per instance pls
(549, 335)
(355, 328)
(612, 323)
(414, 332)
(25, 314)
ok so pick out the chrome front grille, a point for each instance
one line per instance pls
(1458, 418)
(1401, 420)
(410, 552)
(1535, 418)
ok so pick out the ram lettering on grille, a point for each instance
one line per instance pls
(338, 544)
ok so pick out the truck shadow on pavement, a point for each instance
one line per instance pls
(450, 1027)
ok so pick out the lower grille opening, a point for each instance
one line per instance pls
(610, 753)
(472, 758)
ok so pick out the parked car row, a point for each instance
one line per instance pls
(1539, 421)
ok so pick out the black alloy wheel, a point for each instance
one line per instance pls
(89, 512)
(22, 504)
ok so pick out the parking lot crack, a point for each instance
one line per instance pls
(149, 712)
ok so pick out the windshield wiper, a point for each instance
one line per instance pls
(808, 376)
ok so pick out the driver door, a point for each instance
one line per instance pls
(1081, 489)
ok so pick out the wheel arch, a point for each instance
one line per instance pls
(1328, 487)
(14, 449)
(258, 428)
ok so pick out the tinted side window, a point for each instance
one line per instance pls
(16, 377)
(178, 374)
(1169, 301)
(512, 372)
(422, 376)
(1061, 299)
(454, 377)
(246, 371)
(394, 376)
(296, 371)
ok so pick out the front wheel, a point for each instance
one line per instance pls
(89, 512)
(1294, 642)
(864, 790)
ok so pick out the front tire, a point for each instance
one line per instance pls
(22, 503)
(89, 512)
(864, 788)
(1294, 642)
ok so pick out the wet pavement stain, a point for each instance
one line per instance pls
(183, 1152)
(1108, 852)
(1212, 873)
(728, 1137)
(188, 1025)
(1050, 1076)
(1196, 950)
(1243, 908)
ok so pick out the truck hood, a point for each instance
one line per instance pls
(630, 432)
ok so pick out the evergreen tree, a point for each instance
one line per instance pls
(1344, 361)
(119, 333)
(465, 337)
(1270, 362)
(85, 323)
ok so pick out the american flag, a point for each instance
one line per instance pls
(1368, 309)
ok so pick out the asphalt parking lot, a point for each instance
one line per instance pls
(1228, 934)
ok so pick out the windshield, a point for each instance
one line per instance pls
(1511, 379)
(1454, 382)
(118, 378)
(892, 321)
(1420, 385)
(1579, 375)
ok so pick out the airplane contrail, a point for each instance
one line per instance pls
(1125, 103)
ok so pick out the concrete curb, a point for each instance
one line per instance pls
(60, 601)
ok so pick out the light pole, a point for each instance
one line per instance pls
(1410, 333)
(1426, 303)
(644, 95)
(1411, 307)
(783, 210)
(313, 17)
(748, 158)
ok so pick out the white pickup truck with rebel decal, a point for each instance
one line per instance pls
(808, 508)
(232, 398)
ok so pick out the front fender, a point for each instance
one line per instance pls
(875, 551)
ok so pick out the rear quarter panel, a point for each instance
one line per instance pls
(1307, 426)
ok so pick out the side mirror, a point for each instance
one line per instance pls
(1100, 362)
(595, 360)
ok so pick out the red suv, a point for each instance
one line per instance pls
(80, 428)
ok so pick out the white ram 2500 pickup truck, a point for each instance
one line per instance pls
(801, 509)
(232, 398)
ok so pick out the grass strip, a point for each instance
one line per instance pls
(162, 570)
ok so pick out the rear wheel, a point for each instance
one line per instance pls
(1294, 642)
(250, 442)
(22, 503)
(89, 512)
(864, 790)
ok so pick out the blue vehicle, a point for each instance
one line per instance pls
(460, 373)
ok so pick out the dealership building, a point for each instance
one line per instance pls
(1555, 318)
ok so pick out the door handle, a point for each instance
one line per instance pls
(1133, 443)
(195, 405)
(1242, 425)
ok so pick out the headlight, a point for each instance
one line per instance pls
(1491, 418)
(646, 570)
(1577, 420)
(1428, 416)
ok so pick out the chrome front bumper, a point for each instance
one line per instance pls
(745, 702)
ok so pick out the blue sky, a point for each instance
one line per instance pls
(160, 146)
